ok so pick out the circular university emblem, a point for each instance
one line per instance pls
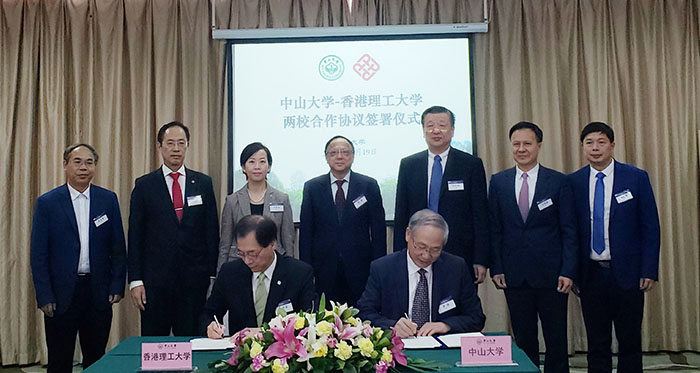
(331, 67)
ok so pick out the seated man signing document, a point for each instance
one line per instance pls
(422, 290)
(251, 289)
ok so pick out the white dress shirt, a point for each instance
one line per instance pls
(334, 186)
(531, 183)
(431, 160)
(413, 278)
(81, 206)
(169, 182)
(181, 180)
(268, 276)
(608, 182)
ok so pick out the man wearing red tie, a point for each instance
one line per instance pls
(173, 239)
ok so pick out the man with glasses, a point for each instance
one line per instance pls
(253, 288)
(422, 290)
(451, 183)
(173, 240)
(342, 226)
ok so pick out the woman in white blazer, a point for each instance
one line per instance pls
(256, 197)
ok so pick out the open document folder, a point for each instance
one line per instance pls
(436, 341)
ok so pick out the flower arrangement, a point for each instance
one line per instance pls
(333, 340)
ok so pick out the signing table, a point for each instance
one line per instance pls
(126, 357)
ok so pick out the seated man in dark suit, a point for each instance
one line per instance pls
(422, 290)
(252, 288)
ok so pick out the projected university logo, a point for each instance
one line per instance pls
(366, 67)
(331, 67)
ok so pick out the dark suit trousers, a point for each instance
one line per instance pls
(342, 292)
(525, 304)
(603, 304)
(176, 308)
(81, 317)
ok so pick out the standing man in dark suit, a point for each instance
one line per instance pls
(78, 259)
(432, 287)
(342, 226)
(251, 289)
(451, 183)
(173, 240)
(619, 240)
(534, 247)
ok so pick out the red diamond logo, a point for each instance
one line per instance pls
(366, 67)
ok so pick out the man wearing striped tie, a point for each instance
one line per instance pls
(422, 290)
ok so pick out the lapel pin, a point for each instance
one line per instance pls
(192, 181)
(279, 282)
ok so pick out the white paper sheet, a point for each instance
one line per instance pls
(208, 344)
(416, 343)
(455, 340)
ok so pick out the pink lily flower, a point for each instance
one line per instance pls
(348, 333)
(344, 331)
(367, 330)
(233, 360)
(303, 332)
(396, 349)
(240, 338)
(332, 342)
(381, 367)
(257, 362)
(286, 345)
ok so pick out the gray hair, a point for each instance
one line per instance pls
(431, 218)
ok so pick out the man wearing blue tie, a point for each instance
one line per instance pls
(619, 240)
(450, 182)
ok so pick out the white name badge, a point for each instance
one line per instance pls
(194, 200)
(286, 305)
(359, 201)
(544, 204)
(454, 185)
(446, 305)
(100, 220)
(623, 196)
(276, 207)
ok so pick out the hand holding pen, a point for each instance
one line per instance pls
(405, 327)
(215, 330)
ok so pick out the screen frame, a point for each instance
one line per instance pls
(229, 47)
